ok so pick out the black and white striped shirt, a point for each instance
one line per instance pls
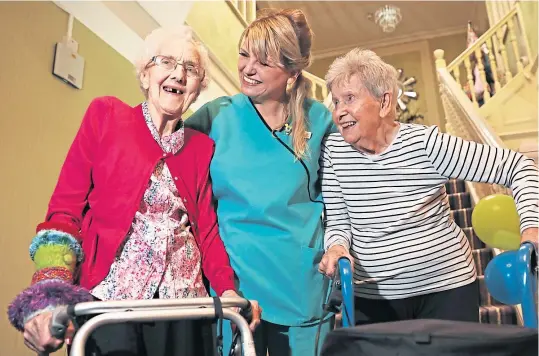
(391, 210)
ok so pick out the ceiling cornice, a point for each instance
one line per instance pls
(397, 40)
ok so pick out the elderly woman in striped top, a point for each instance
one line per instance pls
(387, 208)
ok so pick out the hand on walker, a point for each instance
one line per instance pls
(530, 235)
(37, 335)
(328, 265)
(255, 307)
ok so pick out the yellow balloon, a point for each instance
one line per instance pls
(495, 221)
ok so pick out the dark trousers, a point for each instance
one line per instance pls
(177, 338)
(164, 338)
(459, 304)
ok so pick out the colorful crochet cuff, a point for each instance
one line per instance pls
(50, 273)
(42, 296)
(58, 238)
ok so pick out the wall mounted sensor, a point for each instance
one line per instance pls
(68, 64)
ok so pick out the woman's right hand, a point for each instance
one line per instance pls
(37, 335)
(328, 264)
(256, 310)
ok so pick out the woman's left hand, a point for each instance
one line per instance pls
(255, 308)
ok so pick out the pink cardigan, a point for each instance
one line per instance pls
(104, 178)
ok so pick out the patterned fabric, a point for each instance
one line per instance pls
(392, 212)
(49, 273)
(171, 143)
(491, 311)
(159, 255)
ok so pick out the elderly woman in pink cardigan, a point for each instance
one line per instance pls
(132, 214)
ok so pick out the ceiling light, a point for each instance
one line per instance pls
(388, 17)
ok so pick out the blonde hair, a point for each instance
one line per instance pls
(374, 74)
(285, 36)
(155, 40)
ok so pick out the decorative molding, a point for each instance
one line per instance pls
(416, 46)
(394, 40)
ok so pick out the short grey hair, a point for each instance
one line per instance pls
(374, 74)
(155, 40)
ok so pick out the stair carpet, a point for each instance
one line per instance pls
(491, 311)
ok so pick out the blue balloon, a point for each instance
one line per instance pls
(502, 278)
(510, 279)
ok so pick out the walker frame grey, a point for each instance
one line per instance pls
(112, 312)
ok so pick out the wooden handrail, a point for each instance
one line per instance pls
(485, 132)
(481, 40)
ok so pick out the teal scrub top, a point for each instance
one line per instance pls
(272, 231)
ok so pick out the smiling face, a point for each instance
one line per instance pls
(172, 91)
(262, 80)
(357, 112)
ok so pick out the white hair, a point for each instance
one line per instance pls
(374, 74)
(155, 40)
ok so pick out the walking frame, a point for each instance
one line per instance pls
(113, 312)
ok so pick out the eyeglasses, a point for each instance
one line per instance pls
(169, 63)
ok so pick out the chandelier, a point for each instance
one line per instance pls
(388, 17)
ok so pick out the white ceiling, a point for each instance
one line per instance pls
(338, 25)
(342, 25)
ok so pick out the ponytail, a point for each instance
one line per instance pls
(296, 108)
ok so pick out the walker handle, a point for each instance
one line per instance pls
(61, 316)
(347, 286)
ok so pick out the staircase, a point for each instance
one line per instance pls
(490, 311)
(503, 61)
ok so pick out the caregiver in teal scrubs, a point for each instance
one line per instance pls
(265, 180)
